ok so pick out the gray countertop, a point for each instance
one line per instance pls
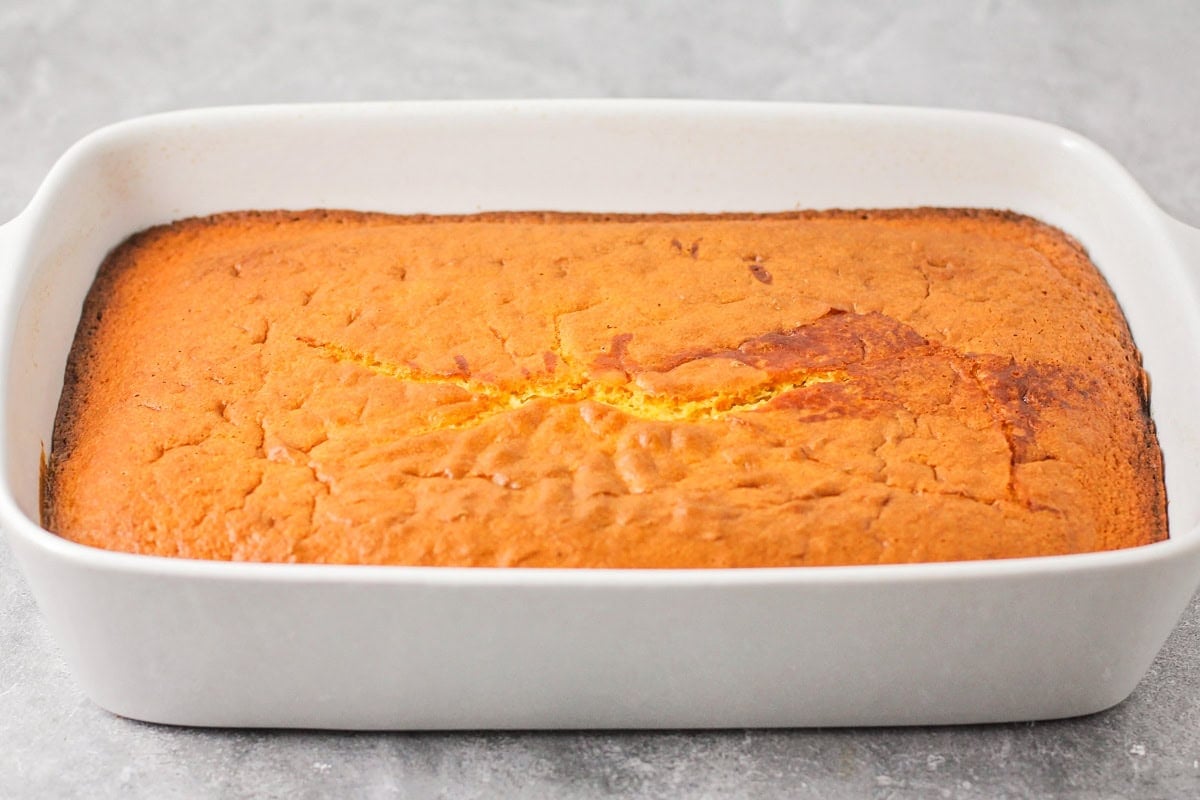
(1125, 74)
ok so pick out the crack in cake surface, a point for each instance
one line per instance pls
(625, 397)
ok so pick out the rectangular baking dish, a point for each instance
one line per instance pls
(234, 644)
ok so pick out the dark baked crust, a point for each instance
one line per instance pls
(604, 390)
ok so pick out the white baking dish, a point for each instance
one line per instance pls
(206, 643)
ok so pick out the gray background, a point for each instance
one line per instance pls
(1124, 74)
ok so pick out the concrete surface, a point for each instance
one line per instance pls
(1126, 74)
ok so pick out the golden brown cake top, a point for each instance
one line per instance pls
(604, 391)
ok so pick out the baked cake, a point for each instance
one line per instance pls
(584, 390)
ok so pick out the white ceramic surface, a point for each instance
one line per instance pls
(206, 643)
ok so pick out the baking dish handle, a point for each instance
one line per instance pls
(11, 234)
(1187, 239)
(8, 235)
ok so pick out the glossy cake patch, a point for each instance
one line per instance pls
(604, 391)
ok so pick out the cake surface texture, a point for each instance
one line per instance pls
(589, 390)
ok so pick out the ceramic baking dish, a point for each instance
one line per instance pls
(207, 643)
